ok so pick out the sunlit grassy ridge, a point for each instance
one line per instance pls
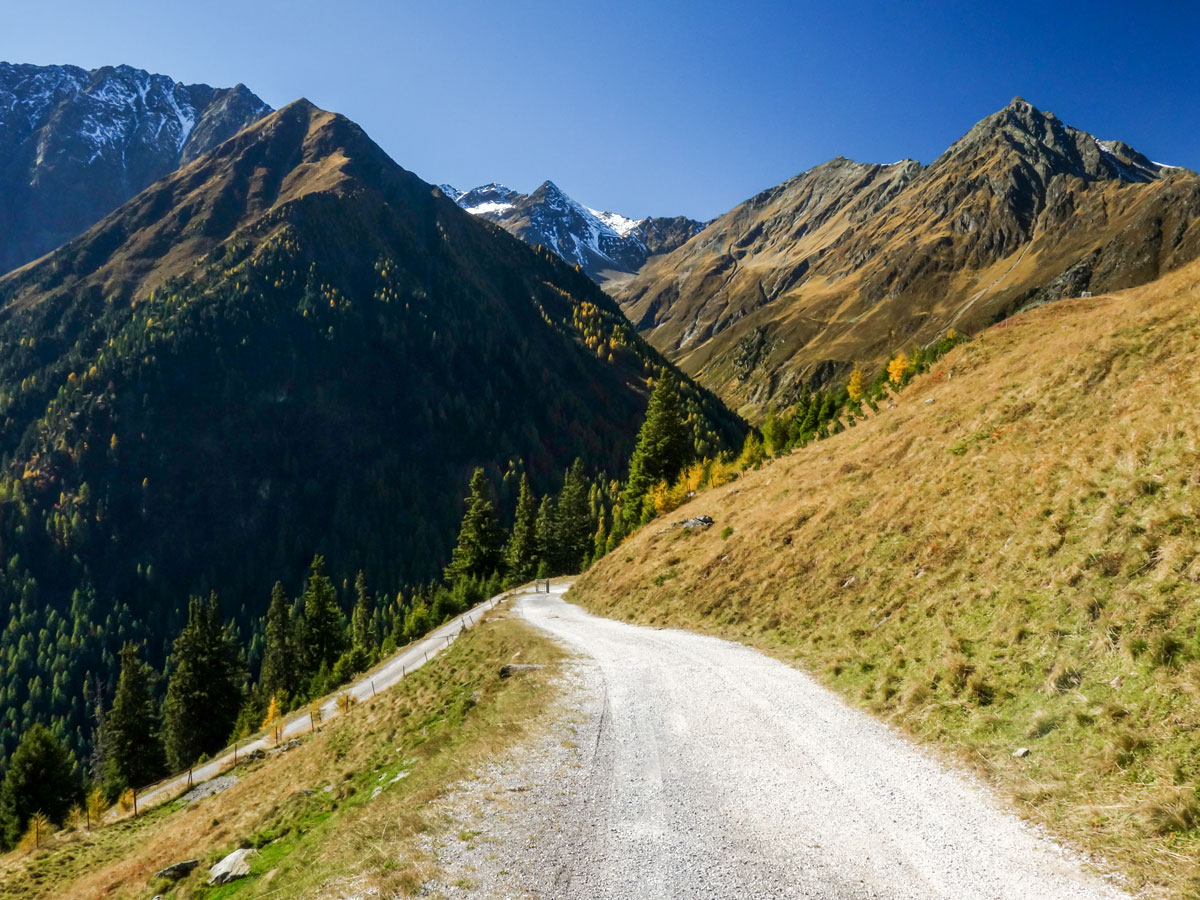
(313, 813)
(1009, 558)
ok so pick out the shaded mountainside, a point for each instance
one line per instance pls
(1008, 558)
(609, 247)
(290, 346)
(848, 261)
(75, 145)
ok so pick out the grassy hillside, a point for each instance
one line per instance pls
(314, 814)
(1008, 558)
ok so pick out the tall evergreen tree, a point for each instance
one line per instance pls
(97, 761)
(322, 629)
(363, 619)
(573, 521)
(204, 691)
(132, 736)
(521, 554)
(479, 552)
(662, 449)
(40, 779)
(280, 664)
(775, 432)
(808, 426)
(546, 536)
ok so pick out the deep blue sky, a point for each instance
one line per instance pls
(655, 106)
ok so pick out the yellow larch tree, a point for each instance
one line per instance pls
(273, 717)
(855, 386)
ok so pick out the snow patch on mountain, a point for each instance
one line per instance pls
(482, 209)
(620, 225)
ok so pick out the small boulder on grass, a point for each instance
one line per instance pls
(236, 865)
(178, 870)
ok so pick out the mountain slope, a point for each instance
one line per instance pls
(607, 246)
(290, 346)
(1007, 558)
(848, 262)
(75, 145)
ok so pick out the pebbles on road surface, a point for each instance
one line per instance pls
(690, 767)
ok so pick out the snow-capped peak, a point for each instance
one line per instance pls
(487, 200)
(601, 243)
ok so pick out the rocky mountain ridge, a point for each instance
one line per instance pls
(75, 144)
(849, 262)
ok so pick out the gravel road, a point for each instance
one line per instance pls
(690, 767)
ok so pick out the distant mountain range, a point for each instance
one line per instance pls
(76, 144)
(607, 246)
(850, 261)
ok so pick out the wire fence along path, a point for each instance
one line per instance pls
(382, 677)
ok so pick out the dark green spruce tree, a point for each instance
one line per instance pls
(363, 620)
(479, 553)
(278, 677)
(132, 734)
(545, 531)
(521, 554)
(322, 629)
(40, 778)
(573, 523)
(663, 448)
(204, 691)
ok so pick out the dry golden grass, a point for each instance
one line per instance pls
(1010, 557)
(311, 812)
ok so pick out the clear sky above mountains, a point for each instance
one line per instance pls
(658, 107)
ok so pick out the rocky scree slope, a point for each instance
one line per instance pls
(76, 144)
(849, 261)
(607, 246)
